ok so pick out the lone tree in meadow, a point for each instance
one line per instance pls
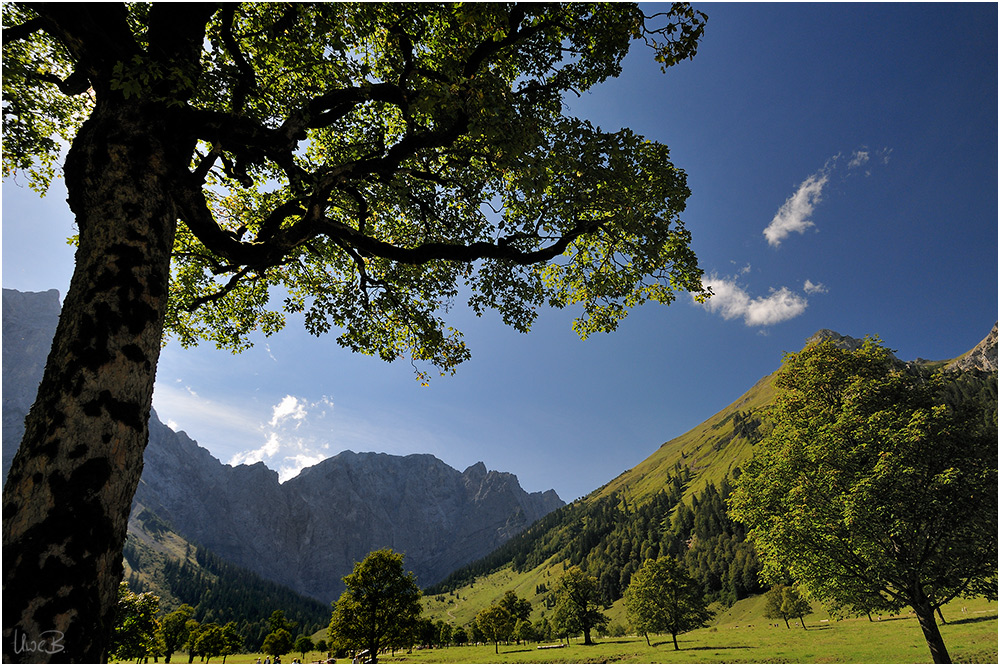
(380, 606)
(496, 623)
(870, 491)
(578, 604)
(363, 162)
(662, 597)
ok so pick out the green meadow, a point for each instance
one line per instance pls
(743, 635)
(739, 635)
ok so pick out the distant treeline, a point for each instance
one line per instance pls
(221, 592)
(611, 537)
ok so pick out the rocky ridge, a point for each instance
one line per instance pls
(982, 357)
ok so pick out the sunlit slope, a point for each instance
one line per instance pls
(532, 563)
(710, 450)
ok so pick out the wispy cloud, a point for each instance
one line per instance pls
(732, 301)
(811, 288)
(858, 159)
(793, 216)
(186, 407)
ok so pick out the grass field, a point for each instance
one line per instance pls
(741, 635)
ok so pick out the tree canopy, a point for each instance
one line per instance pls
(578, 604)
(783, 602)
(364, 165)
(375, 160)
(380, 605)
(136, 624)
(870, 491)
(662, 597)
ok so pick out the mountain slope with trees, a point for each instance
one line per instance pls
(675, 503)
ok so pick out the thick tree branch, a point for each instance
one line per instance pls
(76, 83)
(25, 30)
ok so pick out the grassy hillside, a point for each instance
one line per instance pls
(710, 451)
(685, 479)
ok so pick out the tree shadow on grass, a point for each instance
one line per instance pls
(972, 620)
(670, 643)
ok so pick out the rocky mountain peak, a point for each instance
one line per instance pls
(475, 472)
(982, 357)
(838, 340)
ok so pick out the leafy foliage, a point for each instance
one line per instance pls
(369, 161)
(380, 606)
(868, 490)
(578, 603)
(784, 602)
(134, 633)
(662, 597)
(496, 623)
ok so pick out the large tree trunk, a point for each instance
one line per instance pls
(925, 616)
(67, 499)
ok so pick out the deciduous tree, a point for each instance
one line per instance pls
(303, 644)
(211, 641)
(362, 161)
(783, 602)
(173, 629)
(380, 604)
(135, 624)
(578, 603)
(870, 491)
(277, 643)
(662, 597)
(496, 623)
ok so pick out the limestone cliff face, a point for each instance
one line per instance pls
(308, 532)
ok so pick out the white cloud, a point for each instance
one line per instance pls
(793, 216)
(295, 464)
(297, 436)
(288, 408)
(779, 306)
(269, 450)
(811, 288)
(732, 301)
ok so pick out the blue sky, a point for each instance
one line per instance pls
(843, 166)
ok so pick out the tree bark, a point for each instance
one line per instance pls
(674, 636)
(69, 493)
(925, 616)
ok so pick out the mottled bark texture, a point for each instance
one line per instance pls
(67, 499)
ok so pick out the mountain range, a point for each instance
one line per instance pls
(455, 527)
(308, 532)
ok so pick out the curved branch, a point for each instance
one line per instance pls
(18, 32)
